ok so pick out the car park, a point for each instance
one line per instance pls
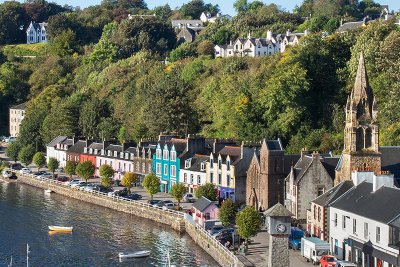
(25, 171)
(188, 197)
(327, 261)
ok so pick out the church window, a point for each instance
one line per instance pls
(360, 139)
(319, 214)
(368, 138)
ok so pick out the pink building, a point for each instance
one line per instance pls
(205, 209)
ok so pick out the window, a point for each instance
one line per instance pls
(143, 167)
(228, 180)
(336, 247)
(165, 154)
(198, 179)
(343, 222)
(320, 191)
(158, 154)
(191, 178)
(173, 155)
(319, 214)
(228, 165)
(166, 169)
(187, 163)
(158, 168)
(149, 167)
(219, 178)
(211, 162)
(354, 226)
(185, 178)
(315, 212)
(366, 230)
(173, 171)
(335, 219)
(203, 166)
(212, 178)
(219, 164)
(206, 216)
(378, 234)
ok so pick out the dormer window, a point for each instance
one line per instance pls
(109, 153)
(102, 152)
(126, 155)
(219, 163)
(158, 153)
(203, 166)
(115, 154)
(121, 155)
(90, 150)
(132, 156)
(187, 163)
(96, 151)
(228, 165)
(165, 154)
(173, 155)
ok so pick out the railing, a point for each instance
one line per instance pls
(105, 195)
(211, 239)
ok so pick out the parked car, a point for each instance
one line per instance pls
(133, 196)
(16, 166)
(167, 201)
(88, 187)
(46, 175)
(216, 228)
(224, 231)
(25, 171)
(76, 184)
(119, 193)
(345, 264)
(327, 261)
(188, 197)
(153, 202)
(159, 204)
(6, 174)
(62, 178)
(168, 206)
(74, 181)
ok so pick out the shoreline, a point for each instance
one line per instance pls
(180, 222)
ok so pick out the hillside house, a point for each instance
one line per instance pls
(36, 33)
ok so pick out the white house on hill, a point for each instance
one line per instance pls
(36, 33)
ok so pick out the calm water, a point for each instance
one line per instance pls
(99, 233)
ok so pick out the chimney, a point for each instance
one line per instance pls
(383, 179)
(86, 143)
(269, 35)
(230, 42)
(248, 35)
(288, 32)
(341, 21)
(123, 146)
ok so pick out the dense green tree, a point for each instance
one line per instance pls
(248, 223)
(240, 6)
(205, 48)
(85, 169)
(26, 154)
(164, 12)
(106, 174)
(185, 50)
(39, 160)
(12, 150)
(152, 184)
(64, 43)
(227, 213)
(104, 51)
(193, 9)
(12, 20)
(208, 191)
(70, 168)
(129, 179)
(178, 190)
(53, 165)
(90, 117)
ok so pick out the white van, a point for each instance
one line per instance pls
(345, 264)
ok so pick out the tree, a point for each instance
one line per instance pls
(106, 173)
(12, 150)
(85, 169)
(152, 184)
(185, 50)
(208, 191)
(206, 48)
(193, 9)
(70, 168)
(26, 154)
(241, 6)
(227, 212)
(53, 164)
(129, 179)
(248, 222)
(39, 160)
(178, 190)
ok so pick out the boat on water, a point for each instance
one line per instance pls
(60, 228)
(138, 254)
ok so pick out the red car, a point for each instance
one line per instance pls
(327, 261)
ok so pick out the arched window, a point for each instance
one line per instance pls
(319, 214)
(360, 139)
(368, 138)
(315, 212)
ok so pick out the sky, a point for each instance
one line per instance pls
(226, 6)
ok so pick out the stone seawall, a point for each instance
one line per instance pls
(176, 220)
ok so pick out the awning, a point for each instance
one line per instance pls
(370, 249)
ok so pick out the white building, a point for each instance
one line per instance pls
(365, 222)
(17, 114)
(193, 174)
(206, 17)
(259, 47)
(51, 148)
(36, 33)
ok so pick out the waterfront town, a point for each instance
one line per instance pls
(269, 137)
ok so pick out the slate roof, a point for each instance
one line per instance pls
(326, 160)
(278, 210)
(391, 160)
(202, 203)
(95, 145)
(20, 106)
(189, 23)
(231, 151)
(195, 164)
(349, 26)
(38, 26)
(67, 142)
(78, 147)
(333, 193)
(56, 141)
(274, 145)
(289, 162)
(378, 205)
(114, 147)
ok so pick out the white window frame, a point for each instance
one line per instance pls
(378, 234)
(354, 226)
(166, 169)
(158, 153)
(165, 154)
(158, 168)
(366, 230)
(173, 171)
(173, 155)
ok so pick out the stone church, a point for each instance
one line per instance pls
(361, 134)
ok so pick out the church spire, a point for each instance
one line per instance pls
(362, 90)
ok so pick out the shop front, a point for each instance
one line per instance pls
(225, 193)
(365, 254)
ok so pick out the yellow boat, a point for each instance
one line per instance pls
(61, 228)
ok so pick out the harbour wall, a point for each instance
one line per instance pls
(181, 222)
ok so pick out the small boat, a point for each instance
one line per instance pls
(48, 191)
(61, 228)
(138, 254)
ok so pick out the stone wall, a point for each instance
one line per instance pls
(278, 252)
(175, 219)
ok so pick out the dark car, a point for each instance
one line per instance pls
(16, 166)
(39, 173)
(153, 202)
(13, 176)
(62, 178)
(121, 193)
(134, 196)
